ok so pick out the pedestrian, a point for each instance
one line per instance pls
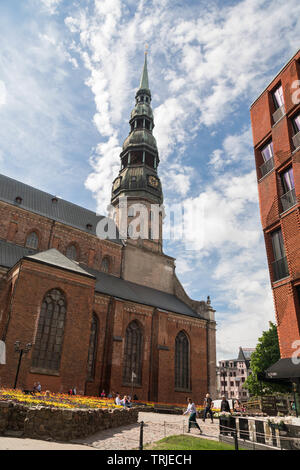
(109, 395)
(118, 400)
(191, 409)
(208, 404)
(225, 405)
(74, 391)
(102, 394)
(38, 387)
(237, 406)
(135, 397)
(34, 390)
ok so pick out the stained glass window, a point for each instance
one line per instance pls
(182, 362)
(71, 252)
(92, 348)
(50, 332)
(132, 365)
(32, 241)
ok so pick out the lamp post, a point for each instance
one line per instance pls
(223, 374)
(295, 398)
(21, 351)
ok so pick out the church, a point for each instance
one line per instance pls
(101, 313)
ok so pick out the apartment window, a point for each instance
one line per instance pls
(278, 97)
(278, 103)
(279, 265)
(296, 127)
(268, 158)
(288, 199)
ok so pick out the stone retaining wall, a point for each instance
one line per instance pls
(60, 424)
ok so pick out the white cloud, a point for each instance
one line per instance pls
(2, 93)
(203, 63)
(50, 6)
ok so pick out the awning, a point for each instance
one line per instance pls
(284, 369)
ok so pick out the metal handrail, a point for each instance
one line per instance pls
(267, 166)
(288, 199)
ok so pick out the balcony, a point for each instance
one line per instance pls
(278, 114)
(266, 167)
(280, 269)
(288, 199)
(296, 140)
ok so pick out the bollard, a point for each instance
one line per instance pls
(141, 435)
(236, 442)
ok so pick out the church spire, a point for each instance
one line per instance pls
(144, 83)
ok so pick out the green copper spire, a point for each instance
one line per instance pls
(144, 84)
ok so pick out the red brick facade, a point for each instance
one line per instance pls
(24, 286)
(279, 208)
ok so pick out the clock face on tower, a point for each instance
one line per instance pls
(116, 184)
(153, 181)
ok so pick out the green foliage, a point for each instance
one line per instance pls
(266, 353)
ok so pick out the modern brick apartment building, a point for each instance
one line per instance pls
(100, 314)
(275, 117)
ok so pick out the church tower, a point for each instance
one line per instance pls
(137, 189)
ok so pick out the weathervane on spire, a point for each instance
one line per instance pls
(146, 49)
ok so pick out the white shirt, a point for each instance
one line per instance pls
(118, 401)
(190, 409)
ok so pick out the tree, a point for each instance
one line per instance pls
(266, 353)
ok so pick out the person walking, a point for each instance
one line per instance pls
(208, 403)
(191, 409)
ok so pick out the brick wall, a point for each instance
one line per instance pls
(270, 190)
(17, 223)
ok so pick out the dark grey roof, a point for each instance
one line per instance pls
(10, 254)
(42, 203)
(111, 285)
(57, 259)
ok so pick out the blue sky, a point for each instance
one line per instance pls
(68, 74)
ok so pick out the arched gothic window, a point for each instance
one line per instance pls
(50, 332)
(92, 348)
(32, 241)
(71, 252)
(105, 265)
(182, 362)
(133, 354)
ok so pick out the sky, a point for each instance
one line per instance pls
(69, 71)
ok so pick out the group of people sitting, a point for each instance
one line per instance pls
(125, 401)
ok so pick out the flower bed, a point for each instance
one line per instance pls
(56, 400)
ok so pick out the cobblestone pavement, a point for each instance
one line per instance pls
(157, 426)
(17, 443)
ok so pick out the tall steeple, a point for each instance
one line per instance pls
(144, 83)
(138, 179)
